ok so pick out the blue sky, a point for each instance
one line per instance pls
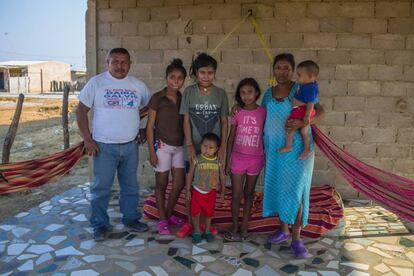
(43, 30)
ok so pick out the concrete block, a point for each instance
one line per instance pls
(150, 3)
(351, 72)
(124, 29)
(392, 119)
(104, 29)
(345, 134)
(192, 42)
(362, 150)
(327, 103)
(399, 57)
(237, 56)
(331, 88)
(109, 15)
(405, 136)
(164, 13)
(152, 28)
(394, 151)
(408, 73)
(410, 42)
(141, 70)
(302, 55)
(136, 15)
(370, 25)
(178, 2)
(179, 27)
(382, 163)
(324, 9)
(336, 25)
(383, 104)
(385, 72)
(327, 72)
(362, 119)
(323, 177)
(207, 27)
(302, 25)
(158, 70)
(404, 166)
(394, 89)
(334, 118)
(163, 42)
(354, 41)
(379, 135)
(255, 71)
(226, 11)
(148, 56)
(229, 24)
(193, 12)
(335, 56)
(251, 41)
(108, 42)
(272, 25)
(228, 71)
(184, 54)
(135, 42)
(260, 57)
(349, 103)
(364, 88)
(259, 10)
(367, 57)
(282, 40)
(388, 41)
(401, 25)
(230, 43)
(289, 9)
(122, 3)
(392, 9)
(320, 40)
(357, 9)
(103, 4)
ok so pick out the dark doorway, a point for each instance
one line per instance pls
(1, 80)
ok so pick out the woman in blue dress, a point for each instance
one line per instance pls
(287, 179)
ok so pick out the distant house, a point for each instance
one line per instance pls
(32, 76)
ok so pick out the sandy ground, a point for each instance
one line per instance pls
(39, 134)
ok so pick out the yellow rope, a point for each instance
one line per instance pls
(262, 39)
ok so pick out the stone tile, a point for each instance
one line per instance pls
(142, 273)
(242, 272)
(379, 252)
(402, 271)
(305, 273)
(70, 250)
(17, 248)
(333, 265)
(127, 265)
(172, 267)
(54, 240)
(406, 242)
(221, 268)
(356, 265)
(53, 227)
(357, 273)
(48, 269)
(26, 256)
(43, 258)
(94, 258)
(135, 242)
(86, 272)
(204, 258)
(382, 268)
(72, 263)
(159, 271)
(20, 231)
(198, 268)
(28, 265)
(40, 249)
(197, 250)
(390, 247)
(353, 246)
(265, 271)
(289, 269)
(184, 261)
(398, 262)
(329, 273)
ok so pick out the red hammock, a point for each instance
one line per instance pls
(393, 192)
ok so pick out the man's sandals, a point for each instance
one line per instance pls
(230, 237)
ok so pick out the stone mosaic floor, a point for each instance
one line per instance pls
(55, 239)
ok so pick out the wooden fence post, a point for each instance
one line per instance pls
(65, 117)
(11, 133)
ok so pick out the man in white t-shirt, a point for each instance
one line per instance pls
(115, 98)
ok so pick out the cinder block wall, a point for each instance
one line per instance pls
(365, 50)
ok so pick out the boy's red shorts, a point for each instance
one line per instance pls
(203, 203)
(298, 112)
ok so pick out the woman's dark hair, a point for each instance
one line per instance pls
(176, 64)
(285, 56)
(202, 60)
(247, 81)
(211, 137)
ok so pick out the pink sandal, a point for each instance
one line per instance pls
(174, 220)
(163, 227)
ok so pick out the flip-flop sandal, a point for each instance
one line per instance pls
(230, 237)
(174, 220)
(163, 228)
(245, 238)
(197, 237)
